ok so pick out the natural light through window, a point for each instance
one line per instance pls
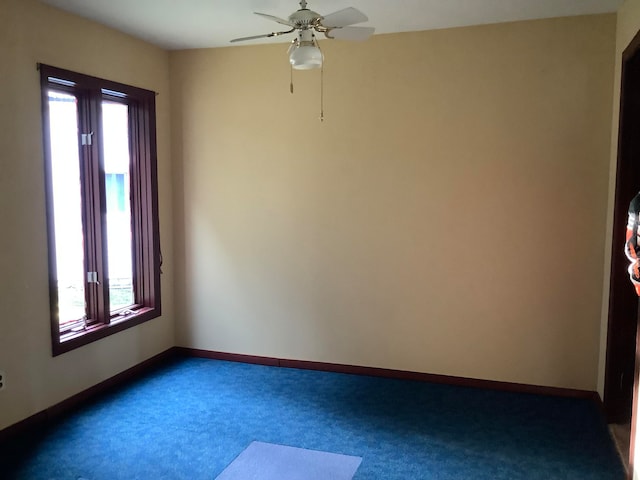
(115, 130)
(67, 207)
(102, 206)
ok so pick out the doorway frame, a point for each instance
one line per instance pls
(623, 335)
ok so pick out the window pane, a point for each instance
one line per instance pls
(67, 207)
(115, 124)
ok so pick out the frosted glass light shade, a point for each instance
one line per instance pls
(306, 57)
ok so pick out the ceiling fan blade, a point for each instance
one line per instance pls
(350, 33)
(275, 19)
(266, 35)
(343, 18)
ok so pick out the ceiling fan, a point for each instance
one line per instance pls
(304, 52)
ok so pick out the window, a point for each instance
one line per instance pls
(102, 206)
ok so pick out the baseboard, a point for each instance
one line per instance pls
(44, 417)
(390, 373)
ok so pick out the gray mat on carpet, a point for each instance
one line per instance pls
(267, 461)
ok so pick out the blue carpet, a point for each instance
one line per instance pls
(266, 461)
(193, 417)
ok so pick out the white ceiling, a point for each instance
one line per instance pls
(181, 24)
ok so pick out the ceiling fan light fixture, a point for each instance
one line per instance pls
(306, 57)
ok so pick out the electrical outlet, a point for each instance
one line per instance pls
(3, 380)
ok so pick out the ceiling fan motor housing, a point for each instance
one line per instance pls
(305, 18)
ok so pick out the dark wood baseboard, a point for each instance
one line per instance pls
(397, 374)
(42, 419)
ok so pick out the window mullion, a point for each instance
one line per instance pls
(136, 198)
(84, 126)
(97, 288)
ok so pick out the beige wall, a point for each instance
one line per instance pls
(447, 217)
(31, 32)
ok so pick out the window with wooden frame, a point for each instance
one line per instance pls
(102, 206)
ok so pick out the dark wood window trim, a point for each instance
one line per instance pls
(100, 320)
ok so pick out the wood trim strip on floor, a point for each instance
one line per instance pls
(46, 416)
(390, 373)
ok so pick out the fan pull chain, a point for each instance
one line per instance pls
(322, 92)
(291, 81)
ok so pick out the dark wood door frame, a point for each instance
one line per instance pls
(622, 368)
(634, 415)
